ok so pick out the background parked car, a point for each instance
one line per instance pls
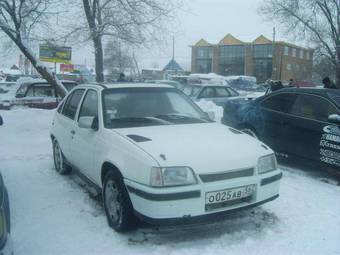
(297, 123)
(40, 94)
(5, 222)
(216, 93)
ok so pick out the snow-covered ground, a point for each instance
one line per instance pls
(53, 214)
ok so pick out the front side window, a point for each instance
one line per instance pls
(135, 107)
(89, 107)
(281, 102)
(72, 102)
(222, 92)
(313, 107)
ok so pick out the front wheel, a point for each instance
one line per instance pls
(117, 203)
(59, 162)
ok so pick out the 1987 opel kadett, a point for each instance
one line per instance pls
(157, 156)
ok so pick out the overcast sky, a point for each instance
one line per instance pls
(209, 19)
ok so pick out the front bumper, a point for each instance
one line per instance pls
(187, 204)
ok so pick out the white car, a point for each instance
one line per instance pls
(158, 157)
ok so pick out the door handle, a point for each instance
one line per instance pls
(73, 132)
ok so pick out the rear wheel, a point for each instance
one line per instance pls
(59, 160)
(250, 132)
(117, 203)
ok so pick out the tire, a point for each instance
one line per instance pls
(117, 204)
(59, 160)
(250, 132)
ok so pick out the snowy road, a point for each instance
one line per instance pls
(53, 214)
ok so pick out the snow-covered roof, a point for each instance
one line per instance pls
(10, 71)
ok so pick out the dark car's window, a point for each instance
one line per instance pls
(89, 107)
(281, 102)
(222, 92)
(72, 102)
(191, 90)
(313, 107)
(207, 93)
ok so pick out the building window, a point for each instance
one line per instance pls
(307, 55)
(294, 52)
(203, 65)
(232, 60)
(204, 52)
(301, 54)
(289, 67)
(286, 51)
(263, 51)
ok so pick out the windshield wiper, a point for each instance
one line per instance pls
(139, 120)
(178, 117)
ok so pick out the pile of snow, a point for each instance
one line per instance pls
(53, 214)
(209, 106)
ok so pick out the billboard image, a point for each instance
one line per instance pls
(55, 54)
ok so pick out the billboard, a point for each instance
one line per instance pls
(66, 67)
(55, 54)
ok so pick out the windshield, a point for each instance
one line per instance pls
(131, 107)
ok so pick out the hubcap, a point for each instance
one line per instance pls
(58, 158)
(113, 201)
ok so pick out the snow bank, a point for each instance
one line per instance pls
(209, 106)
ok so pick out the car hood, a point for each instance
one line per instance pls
(206, 148)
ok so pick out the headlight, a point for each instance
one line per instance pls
(172, 176)
(266, 164)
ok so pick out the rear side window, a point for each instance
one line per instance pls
(207, 93)
(313, 107)
(232, 92)
(281, 102)
(72, 102)
(89, 107)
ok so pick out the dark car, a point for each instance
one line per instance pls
(217, 93)
(296, 123)
(40, 94)
(5, 223)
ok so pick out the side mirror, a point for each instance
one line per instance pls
(1, 121)
(334, 118)
(88, 123)
(211, 115)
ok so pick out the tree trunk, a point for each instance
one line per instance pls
(99, 58)
(338, 66)
(42, 70)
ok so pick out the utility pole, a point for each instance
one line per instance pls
(274, 71)
(173, 48)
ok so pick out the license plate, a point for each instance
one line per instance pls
(229, 194)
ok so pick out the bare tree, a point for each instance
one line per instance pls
(18, 20)
(315, 21)
(131, 21)
(117, 57)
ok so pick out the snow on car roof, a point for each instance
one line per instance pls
(136, 85)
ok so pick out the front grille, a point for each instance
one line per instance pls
(227, 175)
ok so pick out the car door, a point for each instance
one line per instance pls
(274, 109)
(83, 144)
(311, 131)
(65, 122)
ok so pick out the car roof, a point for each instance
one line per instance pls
(127, 85)
(313, 91)
(207, 85)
